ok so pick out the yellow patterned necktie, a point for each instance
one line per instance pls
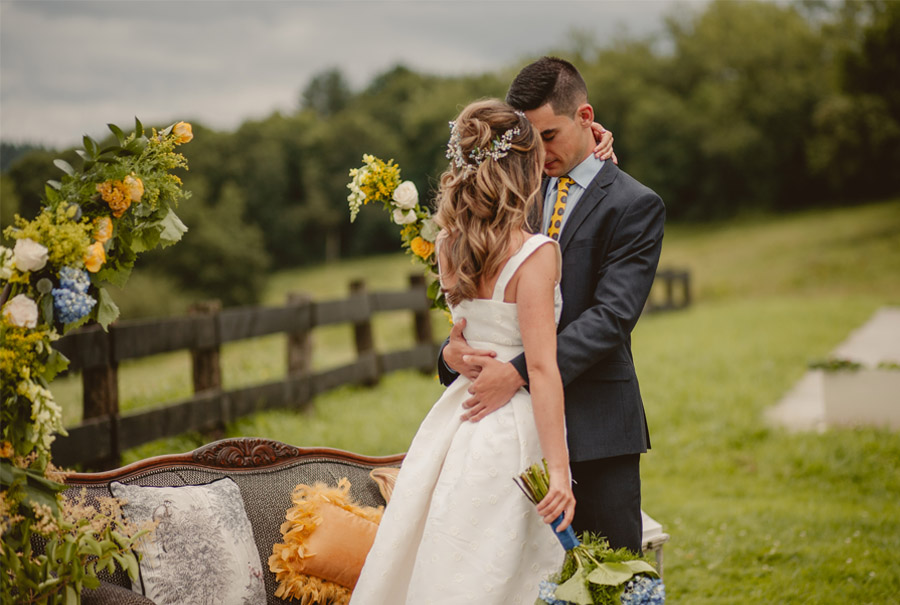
(559, 208)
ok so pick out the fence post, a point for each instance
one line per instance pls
(299, 344)
(100, 393)
(362, 330)
(424, 334)
(671, 276)
(206, 366)
(686, 280)
(205, 362)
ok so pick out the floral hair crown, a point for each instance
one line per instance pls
(499, 148)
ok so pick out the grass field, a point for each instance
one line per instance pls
(756, 514)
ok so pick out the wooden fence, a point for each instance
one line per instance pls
(104, 433)
(675, 285)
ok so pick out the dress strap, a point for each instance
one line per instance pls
(515, 261)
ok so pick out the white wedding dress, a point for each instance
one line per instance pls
(458, 529)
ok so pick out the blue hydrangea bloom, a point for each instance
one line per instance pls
(547, 593)
(76, 280)
(644, 590)
(71, 300)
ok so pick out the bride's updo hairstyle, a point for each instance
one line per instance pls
(487, 193)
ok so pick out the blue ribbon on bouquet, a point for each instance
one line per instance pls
(567, 538)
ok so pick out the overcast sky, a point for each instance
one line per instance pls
(68, 67)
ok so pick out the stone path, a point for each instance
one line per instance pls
(803, 407)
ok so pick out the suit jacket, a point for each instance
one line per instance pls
(610, 251)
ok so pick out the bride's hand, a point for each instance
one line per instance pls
(559, 499)
(604, 148)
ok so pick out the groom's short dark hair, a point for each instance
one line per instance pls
(548, 80)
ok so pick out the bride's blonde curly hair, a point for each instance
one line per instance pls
(480, 206)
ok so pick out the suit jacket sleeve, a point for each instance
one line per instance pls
(626, 277)
(445, 374)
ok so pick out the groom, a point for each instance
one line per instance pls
(610, 231)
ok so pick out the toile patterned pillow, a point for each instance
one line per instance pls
(202, 550)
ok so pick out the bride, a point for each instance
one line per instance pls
(457, 528)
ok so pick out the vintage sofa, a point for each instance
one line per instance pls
(266, 472)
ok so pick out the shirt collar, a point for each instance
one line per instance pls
(585, 172)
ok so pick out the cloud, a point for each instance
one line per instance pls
(69, 67)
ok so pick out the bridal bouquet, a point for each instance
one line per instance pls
(592, 573)
(378, 181)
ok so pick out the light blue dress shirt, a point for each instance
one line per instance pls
(582, 174)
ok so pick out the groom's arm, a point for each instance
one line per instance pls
(454, 353)
(620, 295)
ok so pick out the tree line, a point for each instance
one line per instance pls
(738, 107)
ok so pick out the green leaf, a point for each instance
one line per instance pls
(36, 488)
(132, 566)
(54, 184)
(71, 595)
(145, 239)
(118, 132)
(46, 306)
(90, 145)
(138, 128)
(64, 166)
(117, 276)
(575, 589)
(92, 547)
(107, 311)
(91, 582)
(56, 363)
(610, 574)
(638, 566)
(172, 229)
(83, 155)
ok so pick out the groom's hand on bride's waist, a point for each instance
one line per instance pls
(495, 385)
(458, 348)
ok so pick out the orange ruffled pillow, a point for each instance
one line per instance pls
(326, 539)
(385, 478)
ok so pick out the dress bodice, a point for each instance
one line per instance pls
(493, 323)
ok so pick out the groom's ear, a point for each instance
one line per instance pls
(584, 115)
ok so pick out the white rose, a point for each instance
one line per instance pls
(430, 230)
(406, 196)
(21, 311)
(30, 255)
(404, 217)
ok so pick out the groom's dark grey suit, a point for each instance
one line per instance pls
(610, 251)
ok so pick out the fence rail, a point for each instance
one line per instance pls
(104, 433)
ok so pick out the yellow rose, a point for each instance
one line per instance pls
(182, 132)
(134, 187)
(94, 257)
(103, 229)
(421, 248)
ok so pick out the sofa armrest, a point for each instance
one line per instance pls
(112, 594)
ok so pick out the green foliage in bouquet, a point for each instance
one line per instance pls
(378, 181)
(93, 223)
(595, 574)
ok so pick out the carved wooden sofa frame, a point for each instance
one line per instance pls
(265, 471)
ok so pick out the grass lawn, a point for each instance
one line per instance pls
(756, 514)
